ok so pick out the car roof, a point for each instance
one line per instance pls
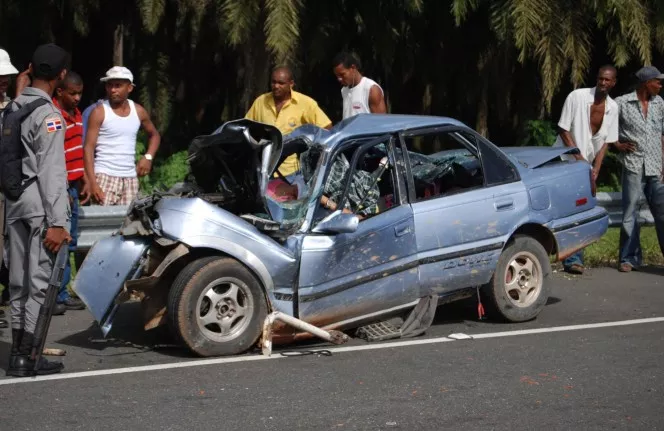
(369, 125)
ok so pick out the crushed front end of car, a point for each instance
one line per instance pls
(220, 210)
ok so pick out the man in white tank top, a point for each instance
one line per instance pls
(360, 94)
(110, 142)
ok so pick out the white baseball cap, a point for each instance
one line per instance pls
(6, 66)
(118, 72)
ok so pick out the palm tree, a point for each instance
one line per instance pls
(558, 35)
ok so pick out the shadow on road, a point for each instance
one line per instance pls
(126, 337)
(465, 311)
(652, 269)
(129, 338)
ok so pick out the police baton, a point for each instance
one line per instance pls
(46, 310)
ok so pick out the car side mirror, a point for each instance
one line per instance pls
(337, 222)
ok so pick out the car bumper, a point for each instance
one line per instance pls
(101, 277)
(579, 231)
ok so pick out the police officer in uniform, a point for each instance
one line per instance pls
(38, 222)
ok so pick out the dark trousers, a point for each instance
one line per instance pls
(63, 293)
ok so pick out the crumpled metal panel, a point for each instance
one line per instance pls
(102, 275)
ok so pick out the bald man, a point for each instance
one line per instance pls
(287, 110)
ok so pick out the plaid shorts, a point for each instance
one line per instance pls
(118, 190)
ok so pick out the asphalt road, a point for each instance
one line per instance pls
(551, 373)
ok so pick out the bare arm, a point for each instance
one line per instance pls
(376, 101)
(599, 158)
(92, 133)
(568, 140)
(154, 139)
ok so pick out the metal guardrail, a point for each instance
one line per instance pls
(612, 202)
(97, 222)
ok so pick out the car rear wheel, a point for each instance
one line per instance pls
(216, 307)
(520, 286)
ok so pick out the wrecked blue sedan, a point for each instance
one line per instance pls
(386, 217)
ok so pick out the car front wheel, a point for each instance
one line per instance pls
(520, 286)
(216, 307)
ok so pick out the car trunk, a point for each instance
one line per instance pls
(535, 157)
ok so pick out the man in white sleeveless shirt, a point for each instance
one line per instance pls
(110, 142)
(360, 94)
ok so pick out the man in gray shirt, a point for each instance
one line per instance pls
(38, 220)
(640, 144)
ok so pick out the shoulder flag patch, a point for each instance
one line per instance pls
(53, 124)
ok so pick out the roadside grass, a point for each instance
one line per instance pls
(605, 251)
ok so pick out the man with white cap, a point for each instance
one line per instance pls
(7, 69)
(110, 142)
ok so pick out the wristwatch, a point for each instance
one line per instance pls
(148, 156)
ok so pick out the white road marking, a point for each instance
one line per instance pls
(276, 355)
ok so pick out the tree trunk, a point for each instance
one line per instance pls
(118, 42)
(482, 122)
(256, 61)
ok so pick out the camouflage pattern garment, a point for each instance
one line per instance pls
(363, 189)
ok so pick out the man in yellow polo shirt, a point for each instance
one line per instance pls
(287, 110)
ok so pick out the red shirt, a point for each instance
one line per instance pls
(73, 143)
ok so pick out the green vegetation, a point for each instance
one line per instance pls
(605, 251)
(166, 171)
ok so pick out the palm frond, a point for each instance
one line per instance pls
(658, 25)
(550, 53)
(414, 6)
(282, 28)
(190, 15)
(151, 12)
(155, 93)
(618, 49)
(500, 19)
(577, 45)
(527, 16)
(462, 8)
(633, 17)
(238, 18)
(81, 15)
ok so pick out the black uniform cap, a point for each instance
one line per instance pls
(48, 61)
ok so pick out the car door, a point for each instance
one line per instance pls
(464, 211)
(347, 276)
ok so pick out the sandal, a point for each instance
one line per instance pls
(625, 267)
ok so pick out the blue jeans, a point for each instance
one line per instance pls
(63, 294)
(575, 259)
(653, 189)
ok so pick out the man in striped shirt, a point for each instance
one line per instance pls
(67, 97)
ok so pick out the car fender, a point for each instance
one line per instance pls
(533, 225)
(199, 224)
(241, 254)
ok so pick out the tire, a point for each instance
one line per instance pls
(216, 307)
(519, 299)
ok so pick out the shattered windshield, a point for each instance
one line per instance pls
(288, 197)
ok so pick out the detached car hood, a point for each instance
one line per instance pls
(238, 158)
(534, 157)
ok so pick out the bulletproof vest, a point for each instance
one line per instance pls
(12, 150)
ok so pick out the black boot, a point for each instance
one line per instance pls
(23, 366)
(17, 336)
